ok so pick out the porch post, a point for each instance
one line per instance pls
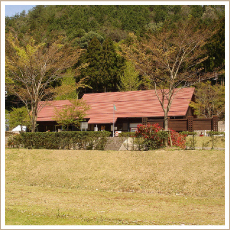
(144, 120)
(215, 123)
(113, 120)
(190, 123)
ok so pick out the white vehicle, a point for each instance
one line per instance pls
(19, 129)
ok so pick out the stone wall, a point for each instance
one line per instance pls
(114, 143)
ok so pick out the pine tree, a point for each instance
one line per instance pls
(93, 69)
(103, 66)
(111, 66)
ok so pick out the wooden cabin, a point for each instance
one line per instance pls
(126, 110)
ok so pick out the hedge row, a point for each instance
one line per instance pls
(98, 140)
(60, 140)
(127, 134)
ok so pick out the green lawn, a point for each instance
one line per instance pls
(70, 187)
(205, 141)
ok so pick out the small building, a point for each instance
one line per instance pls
(128, 109)
(123, 109)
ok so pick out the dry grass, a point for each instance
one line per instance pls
(114, 187)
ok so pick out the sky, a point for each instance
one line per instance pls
(11, 10)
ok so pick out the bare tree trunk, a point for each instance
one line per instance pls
(166, 122)
(33, 118)
(166, 126)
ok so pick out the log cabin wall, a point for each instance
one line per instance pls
(189, 124)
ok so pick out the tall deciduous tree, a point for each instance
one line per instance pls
(129, 81)
(69, 88)
(171, 58)
(209, 100)
(34, 67)
(216, 50)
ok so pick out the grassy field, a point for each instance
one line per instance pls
(70, 187)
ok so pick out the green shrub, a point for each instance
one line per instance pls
(14, 141)
(215, 136)
(191, 141)
(61, 140)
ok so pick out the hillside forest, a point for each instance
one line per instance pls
(70, 50)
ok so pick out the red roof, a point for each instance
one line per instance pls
(46, 111)
(134, 104)
(128, 104)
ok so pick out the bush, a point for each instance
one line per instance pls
(155, 137)
(215, 136)
(61, 140)
(149, 132)
(191, 141)
(14, 141)
(178, 139)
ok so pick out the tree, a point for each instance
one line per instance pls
(209, 14)
(92, 58)
(69, 88)
(84, 40)
(103, 66)
(129, 81)
(34, 67)
(19, 116)
(111, 66)
(216, 49)
(209, 100)
(197, 11)
(171, 58)
(71, 114)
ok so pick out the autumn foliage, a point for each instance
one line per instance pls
(154, 136)
(178, 139)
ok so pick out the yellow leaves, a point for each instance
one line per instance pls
(10, 37)
(7, 63)
(21, 52)
(8, 80)
(21, 55)
(59, 46)
(13, 42)
(30, 50)
(83, 66)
